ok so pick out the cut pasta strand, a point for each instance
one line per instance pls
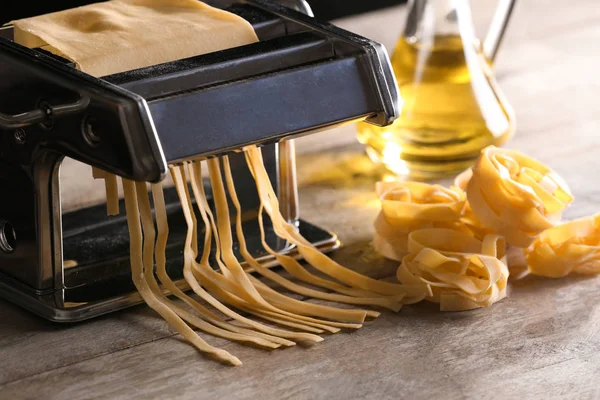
(163, 231)
(313, 256)
(205, 271)
(149, 251)
(137, 273)
(298, 306)
(231, 285)
(111, 188)
(224, 229)
(218, 282)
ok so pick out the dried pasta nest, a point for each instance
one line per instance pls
(515, 195)
(505, 197)
(409, 206)
(570, 248)
(463, 272)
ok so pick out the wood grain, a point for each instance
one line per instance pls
(543, 341)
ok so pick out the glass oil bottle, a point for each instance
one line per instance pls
(452, 106)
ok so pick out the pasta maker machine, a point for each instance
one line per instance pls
(302, 76)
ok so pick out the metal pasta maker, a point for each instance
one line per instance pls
(302, 76)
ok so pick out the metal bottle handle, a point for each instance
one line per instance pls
(497, 28)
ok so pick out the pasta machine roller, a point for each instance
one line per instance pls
(302, 76)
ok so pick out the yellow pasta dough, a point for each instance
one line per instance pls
(570, 248)
(195, 272)
(515, 257)
(139, 279)
(468, 217)
(515, 195)
(517, 263)
(463, 272)
(509, 196)
(112, 192)
(295, 268)
(121, 35)
(408, 206)
(313, 256)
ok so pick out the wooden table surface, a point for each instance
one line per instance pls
(543, 341)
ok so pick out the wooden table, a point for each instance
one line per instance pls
(543, 341)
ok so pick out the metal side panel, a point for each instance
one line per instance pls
(56, 107)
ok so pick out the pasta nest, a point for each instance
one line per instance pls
(409, 206)
(570, 248)
(515, 195)
(463, 272)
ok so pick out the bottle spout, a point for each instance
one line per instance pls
(497, 28)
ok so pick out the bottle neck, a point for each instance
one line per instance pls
(429, 18)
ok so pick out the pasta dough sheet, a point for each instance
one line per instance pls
(122, 35)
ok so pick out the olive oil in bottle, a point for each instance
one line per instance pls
(452, 107)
